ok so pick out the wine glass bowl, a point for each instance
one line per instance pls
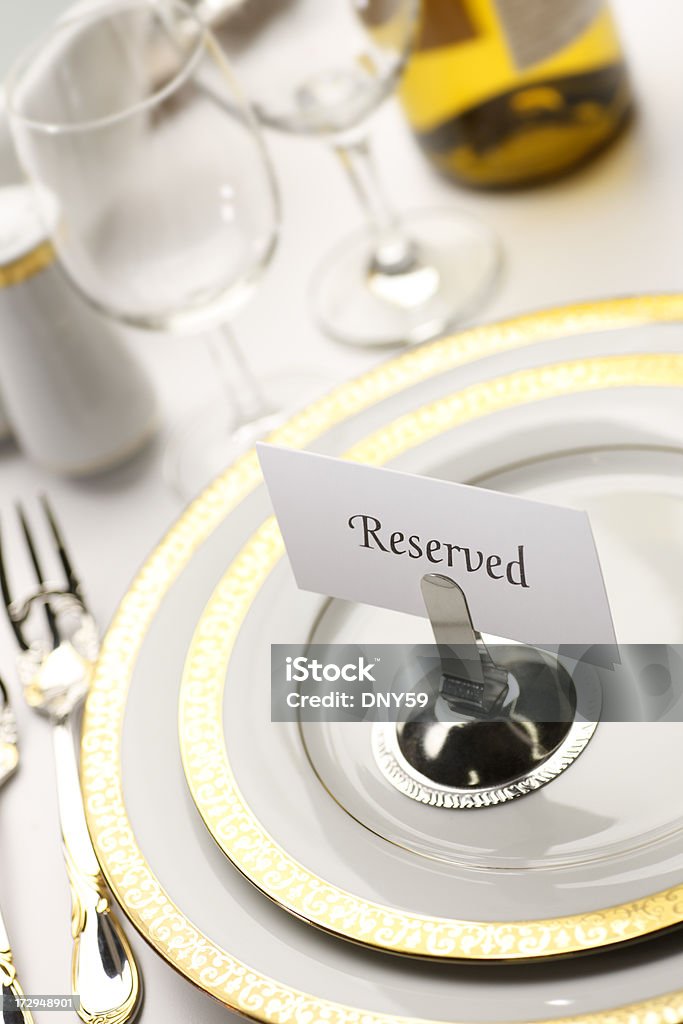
(168, 210)
(319, 68)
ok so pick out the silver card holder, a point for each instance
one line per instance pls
(501, 723)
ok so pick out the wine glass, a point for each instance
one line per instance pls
(320, 69)
(151, 171)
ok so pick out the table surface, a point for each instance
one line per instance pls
(615, 228)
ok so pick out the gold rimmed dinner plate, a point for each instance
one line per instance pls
(600, 858)
(208, 921)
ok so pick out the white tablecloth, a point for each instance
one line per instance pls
(615, 228)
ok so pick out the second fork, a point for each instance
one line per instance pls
(55, 674)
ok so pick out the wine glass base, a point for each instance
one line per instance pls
(457, 266)
(206, 442)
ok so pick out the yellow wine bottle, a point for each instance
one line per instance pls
(509, 92)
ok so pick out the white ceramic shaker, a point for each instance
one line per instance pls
(75, 398)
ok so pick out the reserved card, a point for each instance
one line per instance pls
(530, 571)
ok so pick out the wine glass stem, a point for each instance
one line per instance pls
(241, 387)
(394, 252)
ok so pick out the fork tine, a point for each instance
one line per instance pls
(7, 599)
(49, 614)
(73, 581)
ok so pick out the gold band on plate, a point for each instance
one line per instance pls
(27, 266)
(132, 881)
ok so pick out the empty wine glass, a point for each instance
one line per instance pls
(151, 169)
(321, 68)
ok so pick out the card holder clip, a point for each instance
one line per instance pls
(471, 682)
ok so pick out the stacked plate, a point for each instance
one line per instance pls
(530, 910)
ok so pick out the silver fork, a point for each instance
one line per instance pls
(10, 989)
(55, 672)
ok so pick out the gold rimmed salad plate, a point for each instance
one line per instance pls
(596, 858)
(204, 917)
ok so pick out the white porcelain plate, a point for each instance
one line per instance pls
(174, 882)
(607, 832)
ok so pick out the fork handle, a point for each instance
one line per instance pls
(104, 973)
(10, 989)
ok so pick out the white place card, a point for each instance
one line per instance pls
(530, 571)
